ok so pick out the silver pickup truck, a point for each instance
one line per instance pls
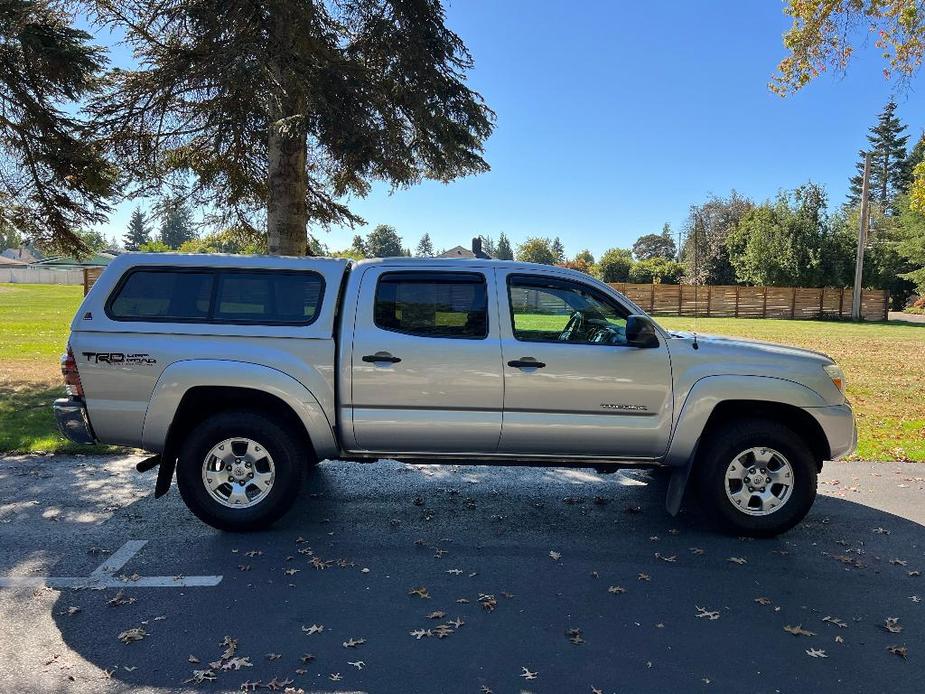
(240, 372)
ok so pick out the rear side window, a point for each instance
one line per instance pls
(433, 304)
(264, 297)
(164, 296)
(268, 298)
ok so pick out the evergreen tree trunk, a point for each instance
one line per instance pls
(287, 214)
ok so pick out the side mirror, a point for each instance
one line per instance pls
(641, 332)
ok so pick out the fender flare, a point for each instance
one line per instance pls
(181, 376)
(699, 404)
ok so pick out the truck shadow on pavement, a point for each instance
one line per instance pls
(400, 578)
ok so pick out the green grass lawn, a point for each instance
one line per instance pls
(884, 362)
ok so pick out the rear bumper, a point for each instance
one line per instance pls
(73, 424)
(837, 421)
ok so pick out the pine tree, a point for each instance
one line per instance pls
(425, 248)
(503, 250)
(888, 170)
(285, 110)
(176, 225)
(137, 233)
(558, 250)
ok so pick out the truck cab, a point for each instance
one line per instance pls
(239, 372)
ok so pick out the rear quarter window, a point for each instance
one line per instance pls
(163, 295)
(264, 297)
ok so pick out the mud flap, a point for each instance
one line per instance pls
(164, 475)
(678, 484)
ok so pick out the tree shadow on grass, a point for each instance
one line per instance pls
(27, 423)
(632, 580)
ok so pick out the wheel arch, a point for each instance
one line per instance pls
(188, 391)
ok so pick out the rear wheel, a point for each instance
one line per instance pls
(240, 471)
(756, 477)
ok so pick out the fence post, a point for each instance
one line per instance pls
(764, 305)
(680, 298)
(737, 302)
(709, 294)
(821, 301)
(793, 304)
(886, 304)
(841, 302)
(652, 300)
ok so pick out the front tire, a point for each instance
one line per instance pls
(240, 471)
(756, 477)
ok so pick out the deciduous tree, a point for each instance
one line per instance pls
(615, 265)
(536, 250)
(705, 256)
(281, 109)
(384, 242)
(656, 245)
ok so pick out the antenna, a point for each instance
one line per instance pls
(698, 221)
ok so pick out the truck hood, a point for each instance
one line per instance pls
(756, 346)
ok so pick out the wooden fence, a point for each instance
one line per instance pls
(733, 301)
(91, 275)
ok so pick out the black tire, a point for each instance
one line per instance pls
(290, 459)
(723, 445)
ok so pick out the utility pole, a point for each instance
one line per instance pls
(862, 241)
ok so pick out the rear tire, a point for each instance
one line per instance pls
(241, 471)
(756, 477)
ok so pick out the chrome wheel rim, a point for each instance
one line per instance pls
(238, 472)
(759, 481)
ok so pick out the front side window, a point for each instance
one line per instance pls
(433, 304)
(554, 310)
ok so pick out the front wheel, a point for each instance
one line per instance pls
(240, 471)
(756, 477)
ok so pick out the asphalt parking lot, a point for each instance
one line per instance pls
(398, 578)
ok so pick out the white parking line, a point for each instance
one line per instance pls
(103, 576)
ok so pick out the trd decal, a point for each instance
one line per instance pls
(118, 358)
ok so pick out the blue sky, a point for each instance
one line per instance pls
(614, 117)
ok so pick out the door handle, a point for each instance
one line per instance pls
(526, 363)
(381, 357)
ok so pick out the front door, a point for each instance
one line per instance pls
(426, 362)
(572, 386)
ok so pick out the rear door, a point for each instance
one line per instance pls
(573, 387)
(426, 370)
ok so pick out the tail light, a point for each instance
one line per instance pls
(71, 376)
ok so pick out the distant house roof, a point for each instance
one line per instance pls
(23, 254)
(457, 252)
(11, 262)
(95, 260)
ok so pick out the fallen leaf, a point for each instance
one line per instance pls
(120, 599)
(456, 622)
(488, 602)
(643, 577)
(704, 613)
(527, 675)
(816, 653)
(313, 629)
(335, 677)
(274, 656)
(420, 591)
(237, 663)
(669, 559)
(763, 601)
(438, 614)
(737, 560)
(358, 664)
(353, 643)
(291, 572)
(200, 676)
(192, 659)
(130, 635)
(555, 556)
(616, 589)
(892, 625)
(836, 621)
(696, 550)
(901, 651)
(798, 630)
(420, 633)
